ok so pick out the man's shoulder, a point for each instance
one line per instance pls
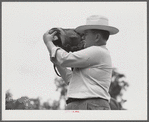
(92, 49)
(97, 48)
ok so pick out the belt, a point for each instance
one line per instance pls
(69, 100)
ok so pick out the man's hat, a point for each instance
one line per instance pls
(97, 22)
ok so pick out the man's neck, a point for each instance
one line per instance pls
(101, 42)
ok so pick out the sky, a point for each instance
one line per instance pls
(26, 67)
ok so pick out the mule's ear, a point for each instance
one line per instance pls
(62, 36)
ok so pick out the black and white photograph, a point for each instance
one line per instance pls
(74, 60)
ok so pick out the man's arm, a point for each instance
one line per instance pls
(64, 72)
(79, 59)
(47, 38)
(82, 58)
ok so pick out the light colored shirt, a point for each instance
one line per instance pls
(92, 72)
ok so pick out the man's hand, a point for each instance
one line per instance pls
(48, 40)
(48, 37)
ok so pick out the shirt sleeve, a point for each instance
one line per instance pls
(65, 73)
(53, 51)
(80, 59)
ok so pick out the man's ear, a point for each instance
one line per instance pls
(97, 37)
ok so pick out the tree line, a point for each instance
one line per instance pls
(118, 87)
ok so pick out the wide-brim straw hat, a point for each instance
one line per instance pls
(97, 22)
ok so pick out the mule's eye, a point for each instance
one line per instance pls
(83, 36)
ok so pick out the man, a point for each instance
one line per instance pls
(90, 80)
